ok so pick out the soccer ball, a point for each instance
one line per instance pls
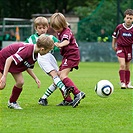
(104, 88)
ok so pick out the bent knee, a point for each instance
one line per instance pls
(20, 83)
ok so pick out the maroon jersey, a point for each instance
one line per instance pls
(71, 51)
(123, 35)
(22, 54)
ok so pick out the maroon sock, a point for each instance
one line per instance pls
(68, 98)
(127, 76)
(15, 94)
(68, 82)
(122, 76)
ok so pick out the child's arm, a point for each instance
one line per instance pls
(62, 44)
(5, 72)
(31, 73)
(113, 44)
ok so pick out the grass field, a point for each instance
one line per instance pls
(93, 115)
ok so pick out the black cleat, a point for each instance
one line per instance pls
(43, 102)
(77, 99)
(65, 103)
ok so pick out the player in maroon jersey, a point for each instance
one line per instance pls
(70, 52)
(123, 37)
(19, 57)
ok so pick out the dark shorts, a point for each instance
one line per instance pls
(67, 63)
(124, 52)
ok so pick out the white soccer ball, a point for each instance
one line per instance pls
(104, 88)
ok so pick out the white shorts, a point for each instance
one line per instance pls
(47, 62)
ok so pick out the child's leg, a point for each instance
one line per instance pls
(49, 91)
(57, 83)
(122, 71)
(16, 91)
(127, 77)
(49, 65)
(15, 94)
(122, 76)
(68, 82)
(78, 95)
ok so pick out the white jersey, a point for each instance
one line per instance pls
(47, 62)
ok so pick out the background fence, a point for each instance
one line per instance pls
(24, 25)
(94, 52)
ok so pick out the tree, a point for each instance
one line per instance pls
(25, 8)
(104, 16)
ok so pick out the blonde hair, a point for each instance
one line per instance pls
(45, 41)
(58, 21)
(40, 21)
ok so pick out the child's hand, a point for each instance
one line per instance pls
(38, 82)
(57, 45)
(2, 83)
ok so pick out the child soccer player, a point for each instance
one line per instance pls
(123, 37)
(17, 58)
(48, 64)
(70, 52)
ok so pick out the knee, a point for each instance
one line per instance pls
(20, 83)
(62, 76)
(122, 67)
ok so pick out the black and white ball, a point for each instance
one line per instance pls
(104, 88)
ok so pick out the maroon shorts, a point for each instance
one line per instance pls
(67, 63)
(124, 52)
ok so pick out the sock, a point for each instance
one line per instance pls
(122, 76)
(127, 76)
(49, 91)
(59, 83)
(68, 82)
(15, 94)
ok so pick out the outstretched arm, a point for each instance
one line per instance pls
(32, 74)
(62, 44)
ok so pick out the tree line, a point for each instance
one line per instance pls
(93, 15)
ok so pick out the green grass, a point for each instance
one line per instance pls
(93, 115)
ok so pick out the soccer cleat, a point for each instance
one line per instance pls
(129, 86)
(77, 99)
(43, 102)
(65, 103)
(68, 90)
(123, 86)
(14, 105)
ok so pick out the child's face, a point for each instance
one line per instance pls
(40, 29)
(128, 20)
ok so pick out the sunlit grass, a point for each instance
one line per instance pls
(93, 115)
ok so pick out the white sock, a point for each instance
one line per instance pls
(49, 91)
(59, 83)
